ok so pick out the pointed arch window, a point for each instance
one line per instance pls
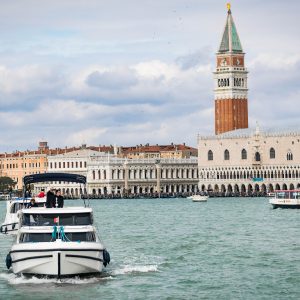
(289, 155)
(272, 153)
(244, 154)
(210, 155)
(226, 155)
(257, 156)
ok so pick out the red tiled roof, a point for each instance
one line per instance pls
(125, 150)
(157, 148)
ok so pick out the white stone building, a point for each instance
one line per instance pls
(248, 160)
(108, 174)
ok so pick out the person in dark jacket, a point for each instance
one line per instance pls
(33, 203)
(59, 199)
(50, 201)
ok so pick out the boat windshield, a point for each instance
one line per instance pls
(20, 205)
(47, 237)
(71, 219)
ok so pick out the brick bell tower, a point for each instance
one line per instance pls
(231, 93)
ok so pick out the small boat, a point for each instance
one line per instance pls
(286, 199)
(198, 198)
(11, 222)
(57, 241)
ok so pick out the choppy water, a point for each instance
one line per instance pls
(233, 248)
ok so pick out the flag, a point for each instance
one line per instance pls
(56, 220)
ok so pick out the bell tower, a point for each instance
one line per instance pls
(231, 92)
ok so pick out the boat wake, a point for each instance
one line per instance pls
(126, 269)
(14, 279)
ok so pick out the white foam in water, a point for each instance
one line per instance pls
(135, 269)
(20, 279)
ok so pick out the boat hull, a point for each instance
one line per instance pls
(198, 198)
(285, 203)
(57, 258)
(290, 206)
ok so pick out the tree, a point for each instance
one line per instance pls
(6, 184)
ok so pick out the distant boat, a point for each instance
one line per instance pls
(198, 198)
(13, 206)
(286, 199)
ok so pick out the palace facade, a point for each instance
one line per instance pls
(109, 174)
(245, 160)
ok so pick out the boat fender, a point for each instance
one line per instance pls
(13, 226)
(8, 261)
(106, 258)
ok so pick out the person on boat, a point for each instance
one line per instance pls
(41, 193)
(27, 193)
(32, 203)
(59, 199)
(50, 201)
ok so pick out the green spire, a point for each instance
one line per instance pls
(230, 40)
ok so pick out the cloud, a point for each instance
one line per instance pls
(119, 78)
(89, 136)
(192, 60)
(136, 72)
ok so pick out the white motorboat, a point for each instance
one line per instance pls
(11, 222)
(286, 199)
(57, 241)
(198, 198)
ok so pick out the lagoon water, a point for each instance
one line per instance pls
(227, 248)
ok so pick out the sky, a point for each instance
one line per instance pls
(133, 72)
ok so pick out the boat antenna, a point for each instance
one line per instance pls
(24, 192)
(81, 193)
(88, 197)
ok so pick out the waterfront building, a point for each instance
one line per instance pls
(109, 174)
(230, 76)
(20, 163)
(245, 160)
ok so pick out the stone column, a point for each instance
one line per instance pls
(126, 177)
(158, 175)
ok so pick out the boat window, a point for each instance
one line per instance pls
(15, 207)
(35, 237)
(47, 237)
(283, 195)
(81, 236)
(61, 219)
(295, 195)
